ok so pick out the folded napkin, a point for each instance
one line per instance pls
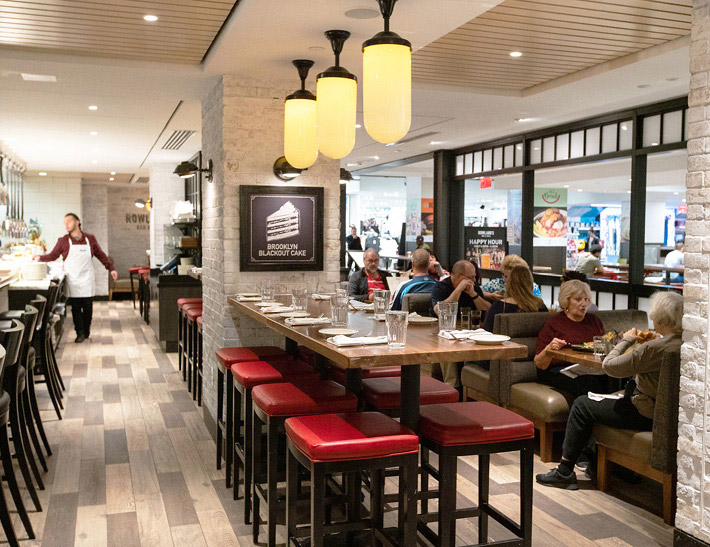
(305, 321)
(249, 298)
(341, 340)
(460, 334)
(277, 309)
(362, 305)
(414, 315)
(321, 297)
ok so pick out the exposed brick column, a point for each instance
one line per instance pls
(693, 513)
(242, 133)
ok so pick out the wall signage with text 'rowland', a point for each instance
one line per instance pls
(281, 228)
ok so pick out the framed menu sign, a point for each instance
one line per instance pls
(281, 228)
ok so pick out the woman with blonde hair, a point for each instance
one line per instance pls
(519, 297)
(495, 288)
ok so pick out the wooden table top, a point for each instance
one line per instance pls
(423, 343)
(570, 355)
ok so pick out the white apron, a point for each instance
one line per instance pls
(79, 269)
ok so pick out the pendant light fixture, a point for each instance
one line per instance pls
(300, 140)
(387, 82)
(336, 89)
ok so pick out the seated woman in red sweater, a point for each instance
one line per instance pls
(573, 325)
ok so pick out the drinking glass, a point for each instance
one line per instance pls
(599, 346)
(396, 328)
(341, 288)
(475, 319)
(381, 300)
(299, 297)
(465, 319)
(339, 310)
(267, 291)
(447, 316)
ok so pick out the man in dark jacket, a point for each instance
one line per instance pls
(364, 282)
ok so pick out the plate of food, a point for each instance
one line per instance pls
(587, 347)
(551, 222)
(488, 339)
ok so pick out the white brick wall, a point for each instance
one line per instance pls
(242, 132)
(165, 189)
(693, 514)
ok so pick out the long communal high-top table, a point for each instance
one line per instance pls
(423, 346)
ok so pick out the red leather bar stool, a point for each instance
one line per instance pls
(194, 363)
(352, 444)
(181, 328)
(184, 347)
(467, 429)
(228, 357)
(273, 403)
(133, 272)
(247, 376)
(384, 394)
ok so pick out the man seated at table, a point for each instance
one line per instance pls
(676, 259)
(459, 287)
(363, 282)
(589, 263)
(421, 281)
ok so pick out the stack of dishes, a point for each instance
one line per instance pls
(34, 271)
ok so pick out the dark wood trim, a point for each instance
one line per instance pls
(683, 539)
(637, 236)
(527, 216)
(448, 214)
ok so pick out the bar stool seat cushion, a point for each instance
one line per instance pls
(145, 277)
(194, 313)
(352, 436)
(141, 271)
(385, 393)
(475, 422)
(338, 374)
(302, 398)
(255, 373)
(292, 369)
(135, 269)
(183, 301)
(229, 356)
(199, 322)
(190, 306)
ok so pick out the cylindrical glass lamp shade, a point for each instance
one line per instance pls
(300, 132)
(387, 91)
(337, 110)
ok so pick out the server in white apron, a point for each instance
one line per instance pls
(78, 249)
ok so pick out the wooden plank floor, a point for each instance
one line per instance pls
(133, 463)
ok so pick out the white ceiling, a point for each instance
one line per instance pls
(48, 124)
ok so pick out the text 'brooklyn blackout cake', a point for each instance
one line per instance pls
(282, 223)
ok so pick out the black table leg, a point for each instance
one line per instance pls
(353, 383)
(409, 403)
(291, 347)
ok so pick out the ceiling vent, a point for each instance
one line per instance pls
(422, 136)
(139, 180)
(177, 139)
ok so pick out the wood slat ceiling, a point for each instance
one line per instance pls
(556, 38)
(107, 28)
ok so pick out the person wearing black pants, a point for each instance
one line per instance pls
(78, 250)
(634, 410)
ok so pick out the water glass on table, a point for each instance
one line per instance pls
(299, 298)
(396, 328)
(339, 310)
(447, 316)
(465, 321)
(475, 319)
(267, 291)
(599, 347)
(341, 287)
(380, 302)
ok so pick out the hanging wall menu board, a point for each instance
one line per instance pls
(550, 221)
(486, 246)
(281, 228)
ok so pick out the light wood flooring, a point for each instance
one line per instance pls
(134, 465)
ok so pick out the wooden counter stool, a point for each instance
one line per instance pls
(467, 429)
(133, 272)
(194, 364)
(351, 444)
(273, 403)
(228, 357)
(181, 329)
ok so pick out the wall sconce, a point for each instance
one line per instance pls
(345, 176)
(140, 203)
(187, 169)
(285, 171)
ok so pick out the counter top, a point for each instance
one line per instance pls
(35, 285)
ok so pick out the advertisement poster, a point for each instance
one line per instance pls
(281, 228)
(486, 246)
(427, 217)
(550, 221)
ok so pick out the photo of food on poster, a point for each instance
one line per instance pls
(486, 246)
(550, 220)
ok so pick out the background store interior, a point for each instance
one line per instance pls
(598, 197)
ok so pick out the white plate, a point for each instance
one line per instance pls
(489, 339)
(266, 304)
(423, 319)
(335, 331)
(299, 313)
(278, 309)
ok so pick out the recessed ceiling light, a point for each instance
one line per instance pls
(519, 147)
(113, 172)
(93, 107)
(375, 157)
(516, 54)
(111, 179)
(643, 86)
(93, 133)
(566, 185)
(38, 77)
(353, 164)
(520, 120)
(150, 18)
(654, 144)
(362, 13)
(42, 174)
(536, 148)
(435, 142)
(94, 161)
(624, 127)
(358, 126)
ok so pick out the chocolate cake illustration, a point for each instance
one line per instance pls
(283, 223)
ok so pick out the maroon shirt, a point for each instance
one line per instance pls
(62, 249)
(562, 327)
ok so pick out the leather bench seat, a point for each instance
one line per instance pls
(545, 402)
(637, 444)
(476, 377)
(352, 436)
